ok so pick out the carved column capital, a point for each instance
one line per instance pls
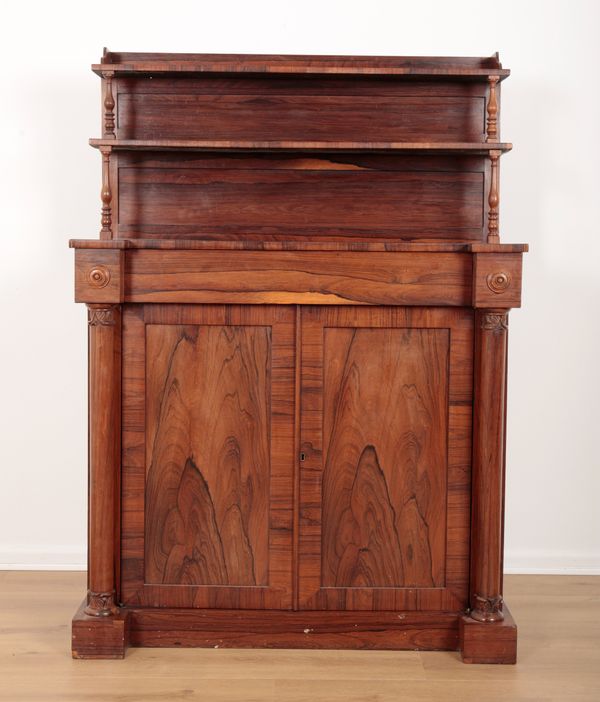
(494, 320)
(102, 315)
(486, 609)
(101, 604)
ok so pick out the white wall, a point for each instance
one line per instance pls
(49, 183)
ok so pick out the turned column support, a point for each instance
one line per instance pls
(106, 194)
(492, 110)
(493, 234)
(104, 324)
(108, 125)
(491, 330)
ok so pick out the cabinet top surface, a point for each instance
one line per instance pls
(137, 62)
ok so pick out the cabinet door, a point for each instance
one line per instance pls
(386, 444)
(208, 456)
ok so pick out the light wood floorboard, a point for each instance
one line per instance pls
(559, 657)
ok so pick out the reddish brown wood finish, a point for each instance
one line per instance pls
(497, 280)
(491, 328)
(385, 432)
(104, 451)
(100, 637)
(488, 643)
(396, 197)
(425, 631)
(320, 245)
(298, 307)
(267, 110)
(330, 278)
(208, 456)
(431, 66)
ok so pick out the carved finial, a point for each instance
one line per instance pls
(106, 195)
(493, 236)
(492, 111)
(109, 105)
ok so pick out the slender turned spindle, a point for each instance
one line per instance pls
(491, 331)
(106, 196)
(104, 338)
(493, 236)
(492, 111)
(109, 106)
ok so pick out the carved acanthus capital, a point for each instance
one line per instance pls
(495, 320)
(103, 316)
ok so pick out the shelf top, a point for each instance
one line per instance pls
(473, 68)
(322, 146)
(253, 245)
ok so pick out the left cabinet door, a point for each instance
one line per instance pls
(208, 456)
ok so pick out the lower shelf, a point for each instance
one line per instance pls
(109, 637)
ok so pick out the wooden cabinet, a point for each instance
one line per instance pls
(298, 309)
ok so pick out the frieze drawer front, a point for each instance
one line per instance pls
(297, 313)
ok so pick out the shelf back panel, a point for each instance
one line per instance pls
(179, 195)
(301, 108)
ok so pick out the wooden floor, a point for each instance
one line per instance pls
(559, 657)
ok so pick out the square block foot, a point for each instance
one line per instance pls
(491, 642)
(99, 637)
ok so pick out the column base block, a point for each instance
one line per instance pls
(488, 642)
(99, 637)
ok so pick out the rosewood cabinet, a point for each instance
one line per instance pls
(298, 311)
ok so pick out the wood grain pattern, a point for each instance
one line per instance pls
(384, 438)
(104, 445)
(208, 426)
(488, 465)
(99, 275)
(229, 200)
(267, 117)
(302, 248)
(278, 629)
(300, 277)
(149, 62)
(210, 443)
(385, 425)
(295, 245)
(497, 280)
(485, 643)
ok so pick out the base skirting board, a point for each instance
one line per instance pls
(515, 563)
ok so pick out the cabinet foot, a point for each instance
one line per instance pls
(488, 642)
(99, 637)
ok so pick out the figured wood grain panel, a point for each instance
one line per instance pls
(314, 200)
(208, 411)
(384, 464)
(386, 402)
(407, 117)
(283, 196)
(295, 277)
(208, 456)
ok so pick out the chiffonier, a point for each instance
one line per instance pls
(298, 314)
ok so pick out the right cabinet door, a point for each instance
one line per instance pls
(385, 441)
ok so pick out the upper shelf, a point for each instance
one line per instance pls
(474, 148)
(474, 68)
